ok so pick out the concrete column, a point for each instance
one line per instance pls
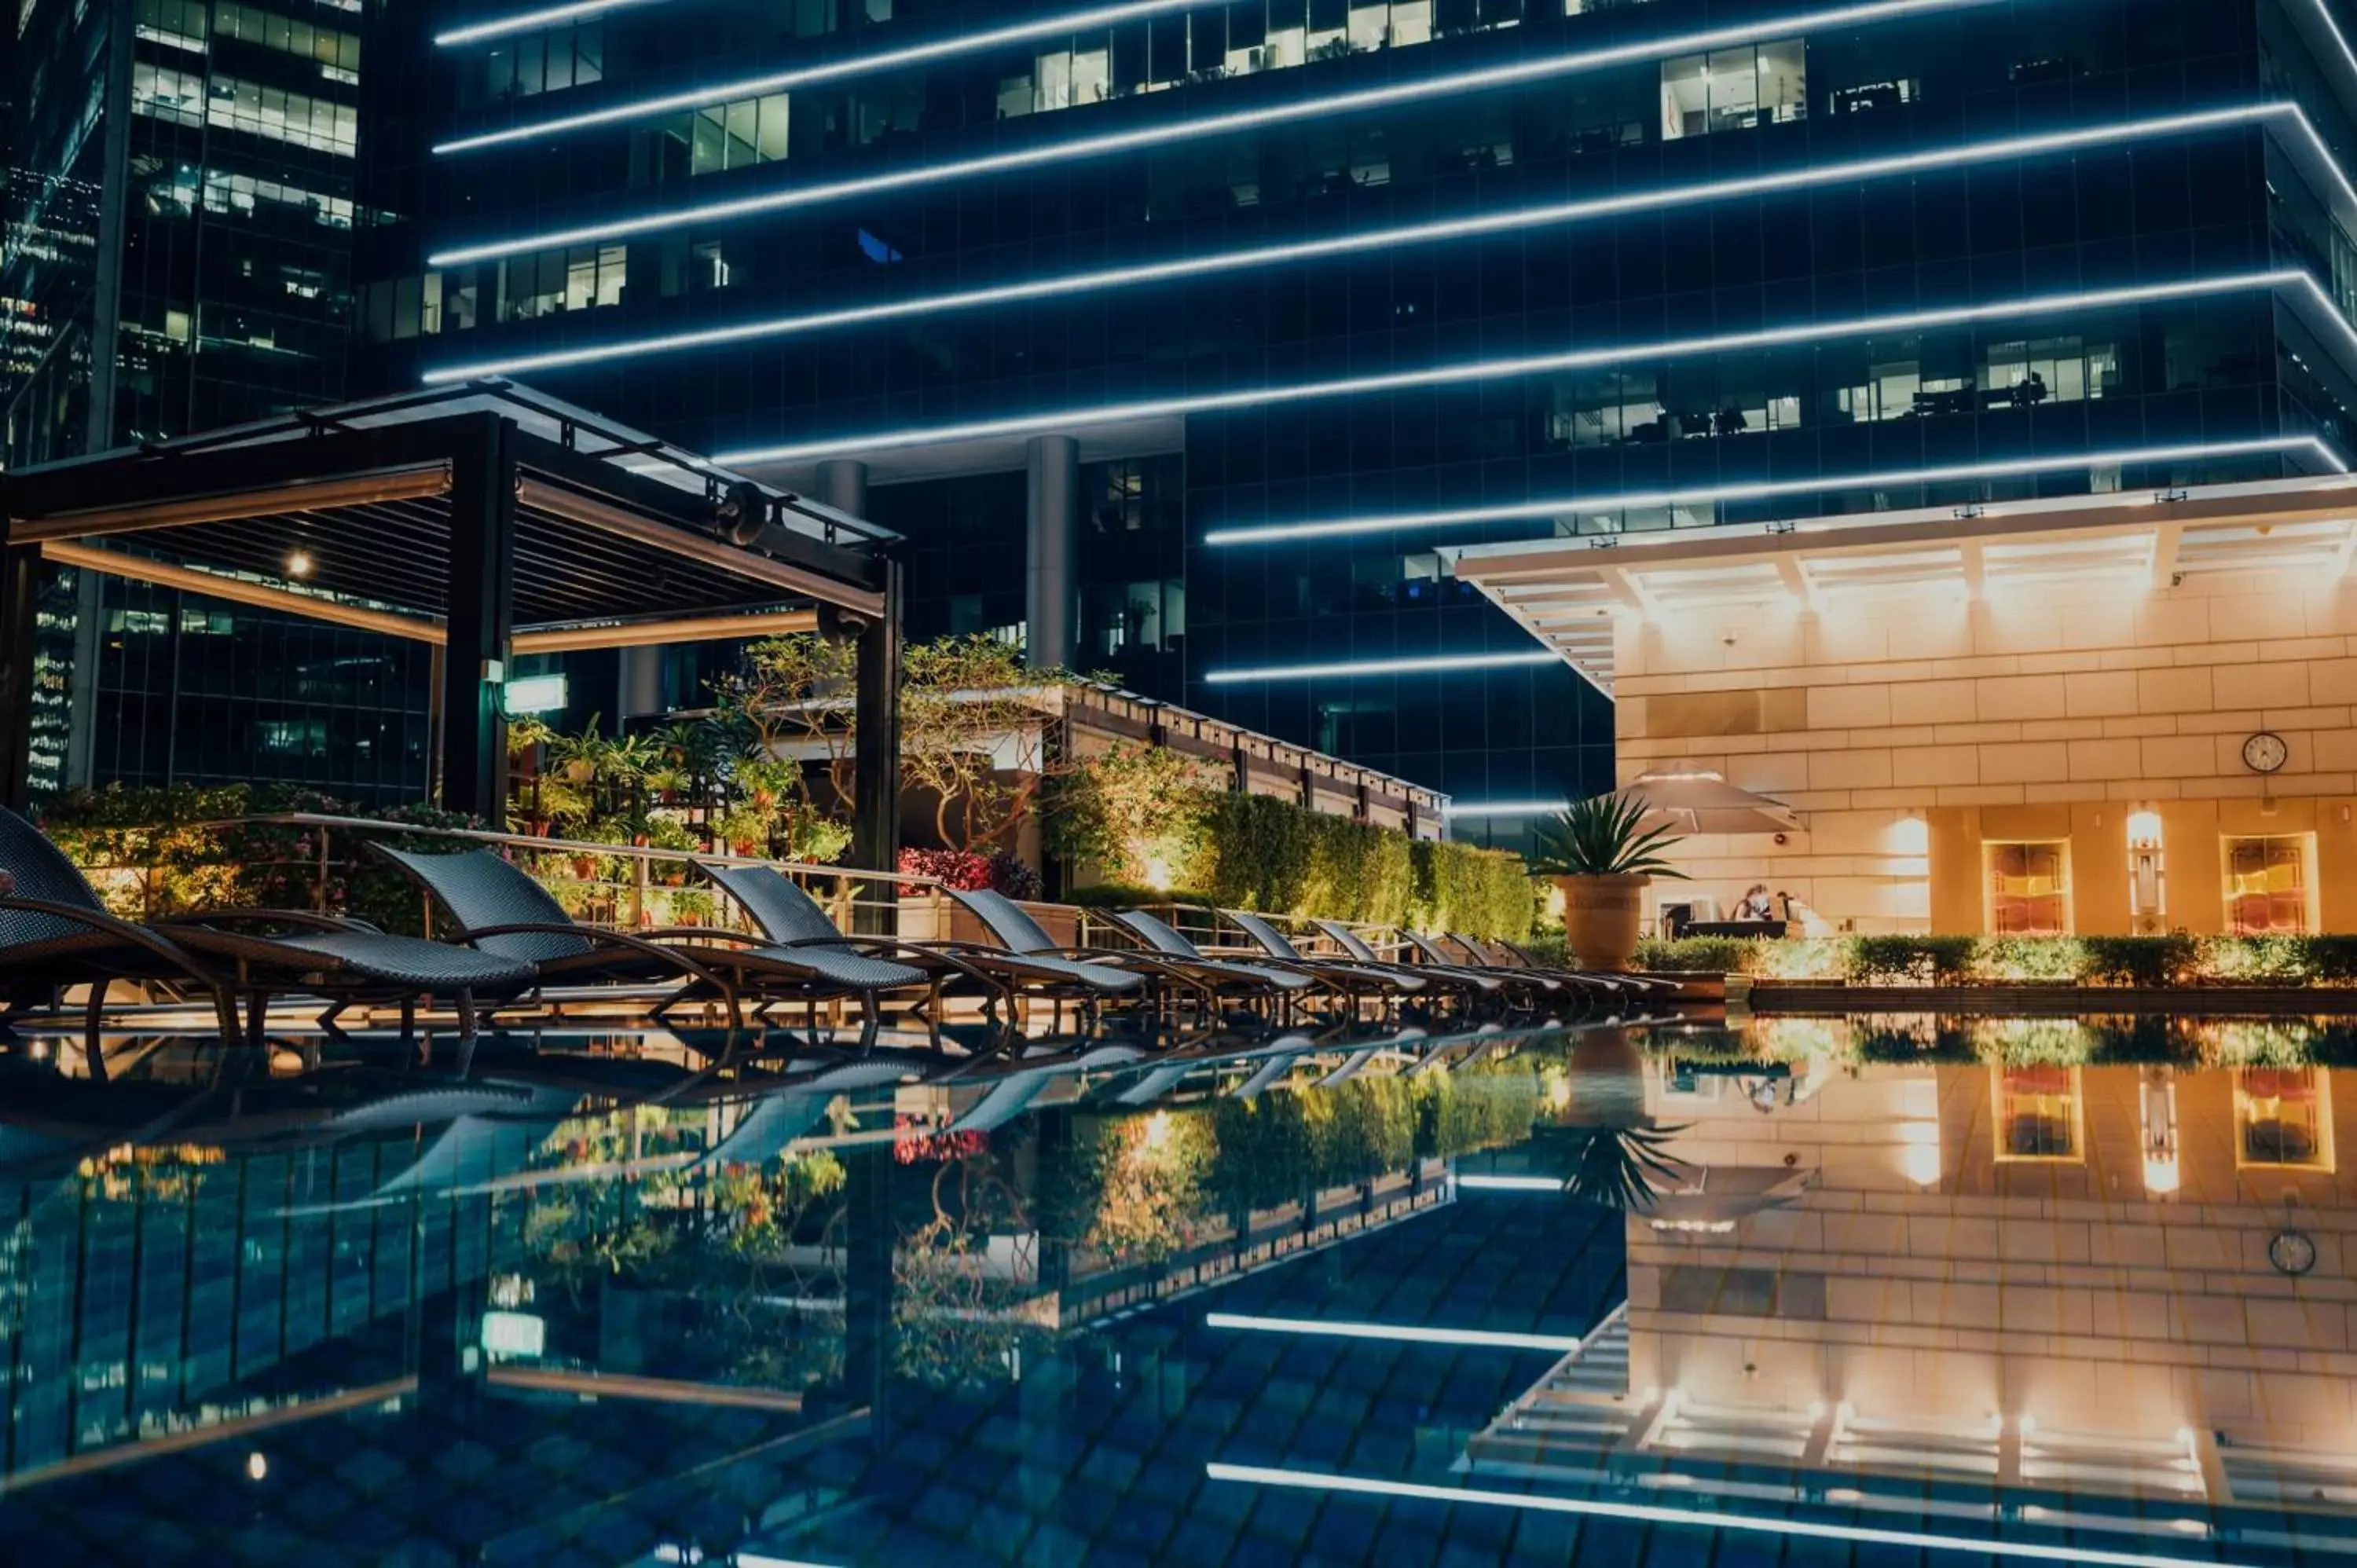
(1052, 549)
(843, 484)
(640, 684)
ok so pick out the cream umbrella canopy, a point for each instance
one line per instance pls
(1704, 802)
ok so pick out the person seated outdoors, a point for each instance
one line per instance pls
(1755, 904)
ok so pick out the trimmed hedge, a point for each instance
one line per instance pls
(2139, 961)
(1256, 852)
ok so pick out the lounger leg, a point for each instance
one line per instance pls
(466, 1020)
(93, 1053)
(225, 1010)
(408, 1019)
(257, 1017)
(335, 1011)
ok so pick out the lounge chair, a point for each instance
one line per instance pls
(794, 922)
(1528, 986)
(1511, 958)
(500, 910)
(1090, 975)
(1469, 984)
(1265, 980)
(1383, 982)
(55, 931)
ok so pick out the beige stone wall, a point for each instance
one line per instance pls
(1908, 728)
(2066, 1290)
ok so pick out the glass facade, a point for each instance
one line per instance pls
(178, 258)
(1589, 266)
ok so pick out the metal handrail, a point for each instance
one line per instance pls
(575, 846)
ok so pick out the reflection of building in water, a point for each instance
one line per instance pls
(2115, 1280)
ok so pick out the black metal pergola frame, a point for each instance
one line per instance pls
(484, 518)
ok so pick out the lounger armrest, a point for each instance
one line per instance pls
(137, 936)
(705, 934)
(309, 919)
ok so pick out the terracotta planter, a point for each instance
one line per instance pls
(1601, 915)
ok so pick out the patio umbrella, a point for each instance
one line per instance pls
(1707, 803)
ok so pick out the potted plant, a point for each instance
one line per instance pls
(1603, 857)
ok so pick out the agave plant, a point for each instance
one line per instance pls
(1604, 835)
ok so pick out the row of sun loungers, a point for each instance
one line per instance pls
(510, 943)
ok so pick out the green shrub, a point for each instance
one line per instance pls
(2050, 961)
(2270, 960)
(2333, 959)
(2138, 960)
(1696, 955)
(1912, 960)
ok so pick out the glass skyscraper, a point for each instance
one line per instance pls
(1179, 338)
(181, 224)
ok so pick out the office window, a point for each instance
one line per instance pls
(2029, 889)
(1734, 90)
(2283, 1117)
(548, 61)
(337, 53)
(707, 267)
(546, 282)
(2038, 1112)
(2267, 884)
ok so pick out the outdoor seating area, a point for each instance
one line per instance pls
(501, 950)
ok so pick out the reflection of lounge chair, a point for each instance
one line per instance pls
(774, 1121)
(1007, 1097)
(55, 931)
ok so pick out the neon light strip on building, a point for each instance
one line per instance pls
(1462, 371)
(1192, 130)
(1568, 506)
(1699, 1518)
(807, 76)
(531, 21)
(1377, 239)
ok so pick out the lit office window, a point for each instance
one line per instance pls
(547, 281)
(549, 62)
(187, 98)
(719, 137)
(337, 52)
(2029, 889)
(2267, 884)
(240, 193)
(2283, 1117)
(707, 267)
(1735, 89)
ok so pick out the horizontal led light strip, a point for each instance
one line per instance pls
(1700, 1518)
(1065, 420)
(833, 71)
(1568, 505)
(1185, 130)
(1508, 1183)
(1402, 1334)
(1378, 240)
(527, 21)
(1433, 665)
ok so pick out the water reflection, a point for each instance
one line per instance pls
(612, 1298)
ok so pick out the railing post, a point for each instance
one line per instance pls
(639, 870)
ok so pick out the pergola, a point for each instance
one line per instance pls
(485, 520)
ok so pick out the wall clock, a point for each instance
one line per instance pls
(2264, 752)
(2291, 1252)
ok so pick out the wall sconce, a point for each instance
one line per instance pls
(2146, 884)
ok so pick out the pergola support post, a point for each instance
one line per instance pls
(20, 589)
(876, 768)
(479, 619)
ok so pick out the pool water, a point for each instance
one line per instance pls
(1893, 1290)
